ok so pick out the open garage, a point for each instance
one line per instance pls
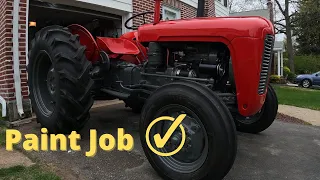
(42, 14)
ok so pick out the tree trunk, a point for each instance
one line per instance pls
(289, 36)
(289, 45)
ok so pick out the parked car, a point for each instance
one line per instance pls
(307, 80)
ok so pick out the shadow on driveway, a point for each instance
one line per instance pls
(284, 151)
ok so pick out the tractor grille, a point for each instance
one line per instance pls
(266, 63)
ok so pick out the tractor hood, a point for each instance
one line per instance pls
(200, 29)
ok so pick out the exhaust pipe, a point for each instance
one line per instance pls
(200, 10)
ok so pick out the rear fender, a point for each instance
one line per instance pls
(86, 39)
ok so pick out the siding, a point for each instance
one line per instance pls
(221, 10)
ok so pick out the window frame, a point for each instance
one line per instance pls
(173, 10)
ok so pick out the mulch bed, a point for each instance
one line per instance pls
(289, 119)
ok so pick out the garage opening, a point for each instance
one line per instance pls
(42, 14)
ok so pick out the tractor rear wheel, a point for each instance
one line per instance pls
(59, 80)
(210, 142)
(263, 119)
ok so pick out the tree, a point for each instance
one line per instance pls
(307, 27)
(285, 25)
(246, 5)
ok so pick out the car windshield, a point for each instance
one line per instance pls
(316, 73)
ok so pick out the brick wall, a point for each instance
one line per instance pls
(187, 11)
(7, 89)
(209, 8)
(22, 48)
(6, 64)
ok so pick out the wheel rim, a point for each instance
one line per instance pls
(305, 83)
(44, 83)
(195, 150)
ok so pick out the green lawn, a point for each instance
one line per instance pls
(300, 97)
(26, 173)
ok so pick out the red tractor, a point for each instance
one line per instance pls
(214, 70)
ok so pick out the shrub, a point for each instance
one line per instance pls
(305, 64)
(274, 79)
(291, 76)
(286, 71)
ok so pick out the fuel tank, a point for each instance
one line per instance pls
(205, 29)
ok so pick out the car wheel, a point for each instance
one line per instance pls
(306, 83)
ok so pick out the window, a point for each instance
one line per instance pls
(225, 2)
(169, 13)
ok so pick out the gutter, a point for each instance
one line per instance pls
(16, 62)
(4, 106)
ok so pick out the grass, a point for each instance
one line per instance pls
(2, 135)
(26, 173)
(300, 97)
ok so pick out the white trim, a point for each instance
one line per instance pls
(4, 106)
(279, 56)
(124, 19)
(193, 3)
(173, 10)
(16, 61)
(281, 67)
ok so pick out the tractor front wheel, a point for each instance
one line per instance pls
(263, 119)
(59, 80)
(210, 145)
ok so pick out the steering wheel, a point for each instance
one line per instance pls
(134, 16)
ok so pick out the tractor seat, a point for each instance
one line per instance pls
(117, 46)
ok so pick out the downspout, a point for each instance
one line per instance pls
(27, 33)
(4, 106)
(16, 62)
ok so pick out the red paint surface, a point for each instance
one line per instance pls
(142, 56)
(157, 7)
(86, 39)
(117, 46)
(244, 36)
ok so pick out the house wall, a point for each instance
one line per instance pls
(187, 8)
(221, 9)
(7, 83)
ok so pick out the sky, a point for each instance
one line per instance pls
(247, 5)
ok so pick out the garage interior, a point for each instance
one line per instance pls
(42, 14)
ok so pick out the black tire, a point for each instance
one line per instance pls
(217, 122)
(59, 80)
(135, 105)
(262, 120)
(306, 83)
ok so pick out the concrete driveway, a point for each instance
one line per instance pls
(284, 151)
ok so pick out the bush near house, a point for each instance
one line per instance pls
(274, 79)
(305, 64)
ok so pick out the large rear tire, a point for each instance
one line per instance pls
(263, 119)
(59, 80)
(210, 149)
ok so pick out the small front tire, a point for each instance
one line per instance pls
(263, 119)
(211, 145)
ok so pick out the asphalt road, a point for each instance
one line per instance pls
(284, 151)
